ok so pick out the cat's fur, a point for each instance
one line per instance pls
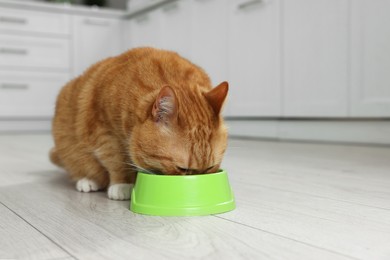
(146, 109)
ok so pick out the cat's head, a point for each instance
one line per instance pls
(183, 134)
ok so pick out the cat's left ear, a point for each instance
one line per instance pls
(216, 97)
(165, 107)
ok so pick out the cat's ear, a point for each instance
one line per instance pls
(165, 107)
(216, 97)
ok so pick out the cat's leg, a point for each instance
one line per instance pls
(113, 156)
(83, 167)
(54, 157)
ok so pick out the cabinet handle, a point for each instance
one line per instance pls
(249, 4)
(15, 20)
(96, 22)
(13, 51)
(170, 7)
(14, 86)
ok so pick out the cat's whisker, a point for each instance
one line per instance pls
(139, 168)
(129, 165)
(132, 166)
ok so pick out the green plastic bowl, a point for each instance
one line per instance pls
(188, 195)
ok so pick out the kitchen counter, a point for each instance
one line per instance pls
(79, 9)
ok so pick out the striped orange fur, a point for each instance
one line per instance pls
(144, 109)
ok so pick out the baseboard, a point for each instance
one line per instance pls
(342, 131)
(24, 125)
(355, 131)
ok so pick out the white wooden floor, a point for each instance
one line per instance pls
(294, 201)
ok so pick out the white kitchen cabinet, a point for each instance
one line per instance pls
(28, 52)
(144, 30)
(34, 62)
(95, 39)
(175, 27)
(209, 37)
(370, 58)
(166, 27)
(254, 58)
(33, 22)
(29, 94)
(315, 58)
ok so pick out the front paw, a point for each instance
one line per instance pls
(120, 191)
(86, 185)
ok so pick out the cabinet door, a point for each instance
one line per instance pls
(37, 22)
(209, 37)
(370, 54)
(29, 94)
(176, 23)
(94, 40)
(315, 50)
(144, 30)
(21, 51)
(254, 58)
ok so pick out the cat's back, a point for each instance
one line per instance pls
(152, 68)
(84, 83)
(128, 82)
(139, 69)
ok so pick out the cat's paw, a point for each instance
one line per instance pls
(120, 191)
(86, 185)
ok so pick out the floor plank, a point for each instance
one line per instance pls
(294, 201)
(346, 173)
(92, 227)
(327, 224)
(19, 240)
(325, 195)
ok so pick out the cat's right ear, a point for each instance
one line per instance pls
(216, 97)
(165, 106)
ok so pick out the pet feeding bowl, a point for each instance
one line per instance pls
(188, 195)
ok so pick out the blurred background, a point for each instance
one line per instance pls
(298, 69)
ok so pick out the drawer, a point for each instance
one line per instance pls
(37, 52)
(33, 21)
(29, 94)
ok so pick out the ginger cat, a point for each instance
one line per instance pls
(145, 109)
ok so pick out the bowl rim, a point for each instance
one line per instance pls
(204, 175)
